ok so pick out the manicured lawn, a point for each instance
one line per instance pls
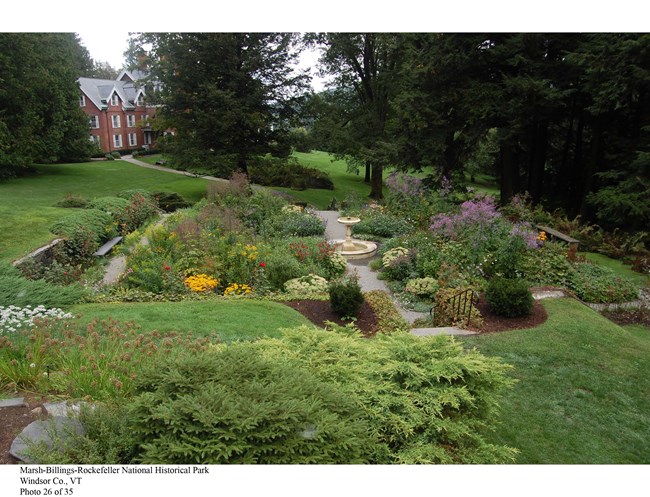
(230, 319)
(617, 266)
(344, 181)
(27, 204)
(150, 159)
(583, 391)
(484, 183)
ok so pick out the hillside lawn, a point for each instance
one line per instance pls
(27, 204)
(618, 267)
(237, 319)
(583, 391)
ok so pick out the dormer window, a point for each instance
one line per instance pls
(115, 99)
(82, 100)
(140, 100)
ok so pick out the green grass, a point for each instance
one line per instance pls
(343, 180)
(484, 183)
(27, 204)
(150, 159)
(618, 266)
(230, 319)
(583, 391)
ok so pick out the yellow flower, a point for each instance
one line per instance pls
(237, 289)
(201, 283)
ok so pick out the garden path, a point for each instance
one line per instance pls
(117, 265)
(129, 158)
(368, 279)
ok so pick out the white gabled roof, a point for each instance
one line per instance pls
(99, 91)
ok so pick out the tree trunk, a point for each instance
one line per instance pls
(592, 165)
(242, 165)
(376, 181)
(537, 160)
(368, 168)
(563, 173)
(574, 187)
(509, 172)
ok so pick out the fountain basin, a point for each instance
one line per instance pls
(351, 248)
(355, 249)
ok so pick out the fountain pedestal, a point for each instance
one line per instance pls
(352, 248)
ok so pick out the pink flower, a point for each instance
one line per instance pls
(262, 264)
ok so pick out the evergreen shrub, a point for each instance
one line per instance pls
(72, 201)
(509, 297)
(232, 405)
(82, 233)
(111, 205)
(170, 201)
(19, 291)
(345, 297)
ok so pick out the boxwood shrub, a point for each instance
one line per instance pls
(509, 297)
(345, 297)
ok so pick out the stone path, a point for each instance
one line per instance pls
(129, 158)
(117, 265)
(368, 280)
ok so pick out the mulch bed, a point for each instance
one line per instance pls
(319, 312)
(12, 422)
(493, 323)
(629, 316)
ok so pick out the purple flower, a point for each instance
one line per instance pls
(476, 214)
(526, 233)
(403, 184)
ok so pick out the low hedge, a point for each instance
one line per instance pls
(273, 171)
(389, 318)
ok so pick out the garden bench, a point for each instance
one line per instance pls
(556, 234)
(106, 248)
(160, 162)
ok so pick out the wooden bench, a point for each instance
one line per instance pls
(106, 248)
(556, 234)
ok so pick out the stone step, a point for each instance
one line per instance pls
(441, 330)
(17, 402)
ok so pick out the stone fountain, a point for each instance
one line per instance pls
(350, 247)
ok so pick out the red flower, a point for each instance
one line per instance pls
(262, 264)
(167, 268)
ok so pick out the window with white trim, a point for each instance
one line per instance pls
(133, 140)
(116, 121)
(94, 139)
(82, 100)
(147, 138)
(130, 120)
(94, 122)
(140, 100)
(115, 100)
(117, 141)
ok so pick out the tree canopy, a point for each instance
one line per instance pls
(40, 117)
(230, 97)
